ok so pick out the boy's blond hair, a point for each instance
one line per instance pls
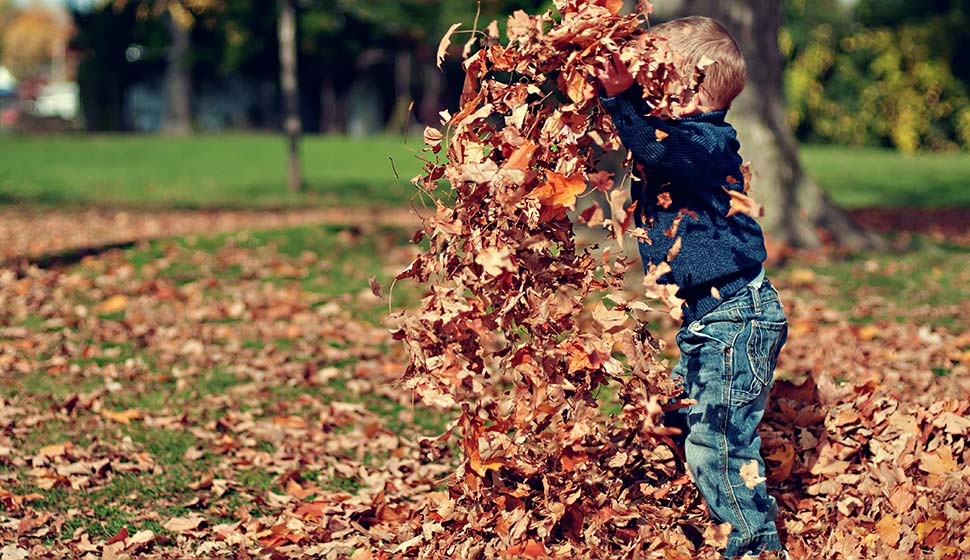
(694, 38)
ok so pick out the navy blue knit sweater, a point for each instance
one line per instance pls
(691, 166)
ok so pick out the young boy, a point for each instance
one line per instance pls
(734, 325)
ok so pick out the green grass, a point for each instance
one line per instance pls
(866, 177)
(929, 278)
(247, 171)
(204, 171)
(346, 258)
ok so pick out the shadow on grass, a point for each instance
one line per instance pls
(44, 198)
(63, 259)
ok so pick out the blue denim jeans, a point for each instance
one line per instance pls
(727, 363)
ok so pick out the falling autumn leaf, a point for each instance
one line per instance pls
(525, 338)
(743, 204)
(433, 137)
(750, 475)
(560, 191)
(521, 157)
(444, 44)
(495, 261)
(375, 287)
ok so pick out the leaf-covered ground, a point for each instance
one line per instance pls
(40, 233)
(236, 395)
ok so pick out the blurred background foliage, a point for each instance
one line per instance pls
(879, 72)
(346, 49)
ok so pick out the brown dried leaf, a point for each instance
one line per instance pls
(182, 524)
(750, 474)
(743, 204)
(444, 44)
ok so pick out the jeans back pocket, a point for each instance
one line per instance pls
(767, 338)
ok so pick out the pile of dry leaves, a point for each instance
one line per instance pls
(520, 330)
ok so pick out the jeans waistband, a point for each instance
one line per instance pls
(756, 283)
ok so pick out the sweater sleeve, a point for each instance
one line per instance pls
(673, 148)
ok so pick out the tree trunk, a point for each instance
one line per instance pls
(433, 85)
(290, 90)
(402, 90)
(178, 80)
(328, 107)
(797, 211)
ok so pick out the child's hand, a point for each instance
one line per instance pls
(697, 104)
(615, 77)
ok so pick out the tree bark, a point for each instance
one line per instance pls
(328, 107)
(797, 212)
(433, 86)
(290, 90)
(178, 80)
(403, 62)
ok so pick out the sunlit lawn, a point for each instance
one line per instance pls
(864, 177)
(247, 170)
(204, 171)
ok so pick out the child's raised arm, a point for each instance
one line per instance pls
(676, 148)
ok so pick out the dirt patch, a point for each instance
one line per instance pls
(31, 232)
(952, 224)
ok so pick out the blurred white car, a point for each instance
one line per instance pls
(58, 99)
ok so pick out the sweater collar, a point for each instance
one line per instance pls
(709, 116)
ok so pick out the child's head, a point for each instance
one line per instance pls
(694, 38)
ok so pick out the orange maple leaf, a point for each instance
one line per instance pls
(614, 6)
(521, 157)
(528, 549)
(560, 191)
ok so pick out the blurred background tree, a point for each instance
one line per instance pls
(7, 13)
(31, 37)
(360, 64)
(178, 17)
(887, 73)
(289, 88)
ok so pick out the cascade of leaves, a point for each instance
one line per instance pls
(521, 328)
